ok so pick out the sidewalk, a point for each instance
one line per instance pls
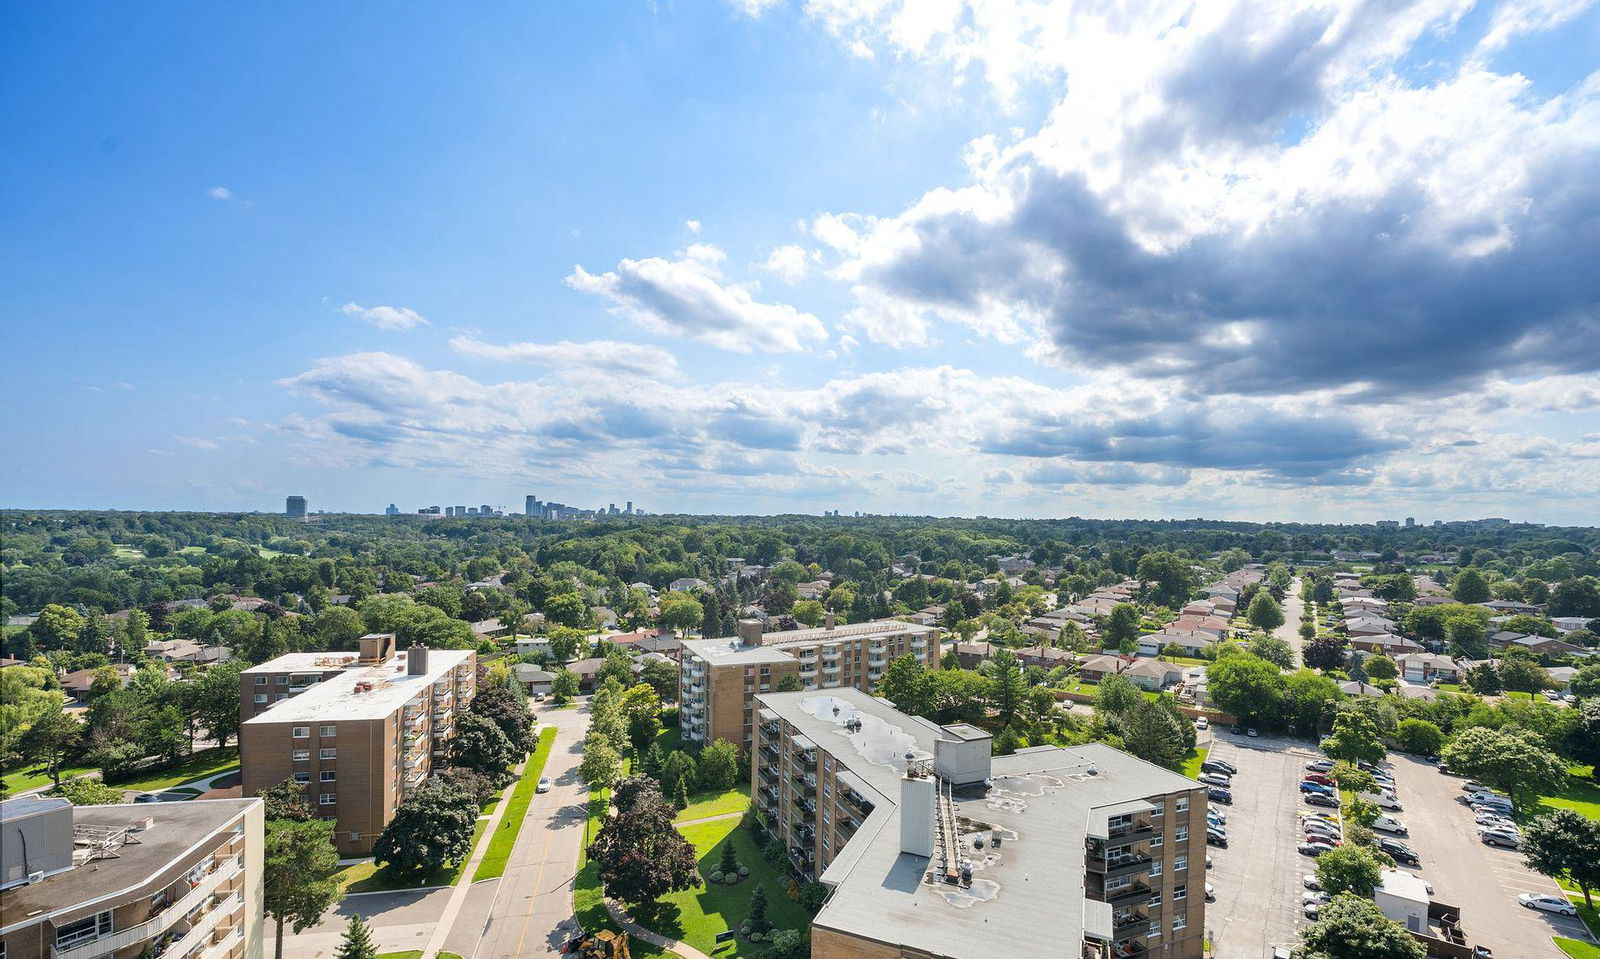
(636, 931)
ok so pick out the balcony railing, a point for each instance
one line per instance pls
(156, 925)
(202, 929)
(1130, 832)
(1128, 921)
(1119, 866)
(1137, 892)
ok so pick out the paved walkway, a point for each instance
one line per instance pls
(636, 931)
(696, 822)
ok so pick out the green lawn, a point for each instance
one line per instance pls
(1582, 793)
(415, 954)
(200, 765)
(1191, 762)
(32, 777)
(1577, 948)
(493, 864)
(367, 877)
(707, 804)
(697, 915)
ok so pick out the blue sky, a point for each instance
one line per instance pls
(1270, 261)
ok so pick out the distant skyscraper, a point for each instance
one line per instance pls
(295, 506)
(1411, 521)
(530, 506)
(630, 507)
(486, 510)
(461, 511)
(393, 510)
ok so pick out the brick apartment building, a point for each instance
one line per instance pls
(720, 678)
(931, 848)
(157, 881)
(357, 738)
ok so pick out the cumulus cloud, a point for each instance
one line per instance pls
(789, 263)
(220, 193)
(1246, 198)
(596, 356)
(689, 297)
(198, 442)
(385, 317)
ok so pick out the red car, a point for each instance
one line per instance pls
(1317, 778)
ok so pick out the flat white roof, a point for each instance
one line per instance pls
(1403, 885)
(338, 698)
(309, 662)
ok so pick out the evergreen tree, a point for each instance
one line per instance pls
(758, 909)
(680, 797)
(357, 942)
(730, 858)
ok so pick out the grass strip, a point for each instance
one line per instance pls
(494, 861)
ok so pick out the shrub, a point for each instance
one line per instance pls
(716, 876)
(744, 871)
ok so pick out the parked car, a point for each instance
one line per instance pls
(1323, 788)
(1544, 903)
(1314, 849)
(1216, 839)
(1216, 794)
(1384, 801)
(544, 785)
(1211, 891)
(1318, 897)
(1202, 723)
(1399, 851)
(1503, 838)
(1251, 732)
(1473, 786)
(1316, 778)
(1320, 765)
(1215, 779)
(1310, 881)
(1321, 799)
(1311, 909)
(1324, 835)
(1219, 766)
(1388, 825)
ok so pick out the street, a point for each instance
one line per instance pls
(1293, 608)
(528, 911)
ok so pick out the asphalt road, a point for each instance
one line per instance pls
(528, 911)
(1257, 878)
(1482, 881)
(1293, 609)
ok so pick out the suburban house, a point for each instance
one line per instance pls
(1427, 668)
(187, 651)
(532, 679)
(1153, 674)
(1096, 668)
(1385, 643)
(1191, 642)
(685, 584)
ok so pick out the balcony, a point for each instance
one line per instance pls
(415, 778)
(805, 781)
(1127, 895)
(857, 800)
(1126, 833)
(1122, 923)
(770, 728)
(202, 928)
(805, 833)
(919, 644)
(771, 751)
(167, 918)
(806, 757)
(1127, 949)
(848, 826)
(877, 662)
(831, 654)
(808, 658)
(832, 672)
(1117, 867)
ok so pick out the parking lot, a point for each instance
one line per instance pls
(1483, 881)
(1257, 878)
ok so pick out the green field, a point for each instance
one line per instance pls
(201, 765)
(708, 804)
(493, 864)
(32, 777)
(1191, 762)
(697, 915)
(1582, 793)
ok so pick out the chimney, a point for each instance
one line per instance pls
(750, 632)
(829, 620)
(919, 793)
(417, 659)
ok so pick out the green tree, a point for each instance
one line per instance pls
(1272, 649)
(1151, 733)
(758, 911)
(807, 612)
(1233, 560)
(1562, 845)
(1324, 652)
(641, 855)
(564, 687)
(1121, 626)
(789, 683)
(1520, 674)
(600, 765)
(298, 863)
(1167, 577)
(509, 712)
(1248, 687)
(357, 942)
(58, 627)
(213, 699)
(432, 827)
(1419, 736)
(51, 737)
(569, 609)
(905, 683)
(1379, 666)
(678, 771)
(1353, 928)
(1115, 696)
(1264, 613)
(1349, 868)
(1586, 682)
(718, 769)
(1008, 686)
(1470, 587)
(1354, 739)
(479, 745)
(87, 791)
(1514, 761)
(680, 612)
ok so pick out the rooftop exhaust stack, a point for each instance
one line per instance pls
(750, 632)
(829, 620)
(417, 659)
(918, 798)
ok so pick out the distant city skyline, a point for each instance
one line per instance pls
(1310, 260)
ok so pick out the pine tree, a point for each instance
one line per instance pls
(652, 761)
(357, 942)
(730, 859)
(758, 910)
(680, 801)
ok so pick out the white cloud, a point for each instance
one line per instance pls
(198, 442)
(693, 226)
(1514, 18)
(602, 356)
(752, 8)
(385, 317)
(220, 193)
(689, 297)
(788, 263)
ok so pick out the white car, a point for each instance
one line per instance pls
(1384, 801)
(1392, 826)
(1544, 903)
(544, 785)
(1315, 897)
(1202, 723)
(1310, 881)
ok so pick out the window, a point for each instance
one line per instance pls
(1154, 932)
(283, 695)
(327, 799)
(1180, 834)
(1180, 892)
(302, 732)
(1155, 841)
(301, 755)
(1182, 805)
(1155, 868)
(283, 680)
(1118, 883)
(1155, 899)
(1158, 810)
(261, 697)
(328, 775)
(329, 730)
(302, 777)
(261, 680)
(327, 753)
(1180, 863)
(1180, 922)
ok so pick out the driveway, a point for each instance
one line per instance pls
(1257, 878)
(1482, 881)
(528, 911)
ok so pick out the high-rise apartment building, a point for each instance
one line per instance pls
(720, 678)
(136, 881)
(932, 848)
(295, 507)
(357, 731)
